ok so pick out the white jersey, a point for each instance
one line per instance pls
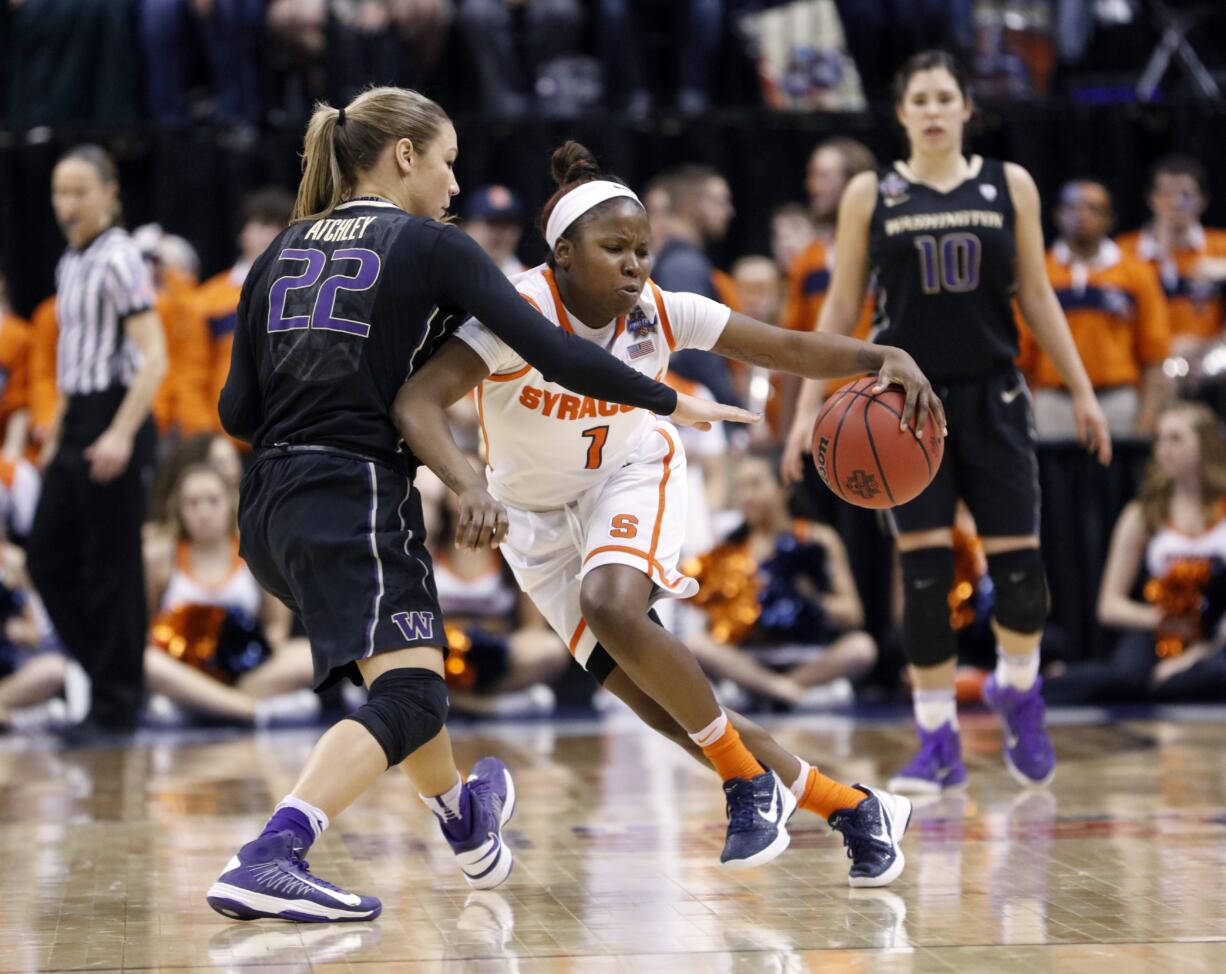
(238, 590)
(545, 446)
(1168, 546)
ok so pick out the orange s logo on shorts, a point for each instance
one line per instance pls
(624, 526)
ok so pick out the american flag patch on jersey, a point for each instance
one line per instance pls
(645, 347)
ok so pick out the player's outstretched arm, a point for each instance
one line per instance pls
(816, 355)
(420, 414)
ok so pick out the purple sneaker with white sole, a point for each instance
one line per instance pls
(484, 858)
(1029, 753)
(268, 878)
(937, 767)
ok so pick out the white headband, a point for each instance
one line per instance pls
(578, 201)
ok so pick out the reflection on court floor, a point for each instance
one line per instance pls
(1120, 866)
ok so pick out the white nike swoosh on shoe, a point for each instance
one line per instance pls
(349, 899)
(773, 817)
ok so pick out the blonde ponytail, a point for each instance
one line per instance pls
(335, 154)
(321, 187)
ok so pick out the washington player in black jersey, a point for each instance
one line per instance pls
(950, 241)
(344, 305)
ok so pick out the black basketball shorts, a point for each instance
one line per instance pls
(989, 460)
(340, 540)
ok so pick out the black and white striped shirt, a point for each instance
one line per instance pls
(96, 289)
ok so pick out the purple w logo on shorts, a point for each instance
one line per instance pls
(415, 625)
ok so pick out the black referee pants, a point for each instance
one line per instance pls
(84, 556)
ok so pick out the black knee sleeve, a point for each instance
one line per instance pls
(927, 577)
(1021, 589)
(404, 709)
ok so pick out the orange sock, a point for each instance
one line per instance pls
(731, 757)
(824, 796)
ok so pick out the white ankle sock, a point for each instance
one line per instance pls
(447, 805)
(1017, 670)
(802, 780)
(316, 816)
(712, 732)
(934, 708)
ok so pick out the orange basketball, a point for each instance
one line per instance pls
(864, 457)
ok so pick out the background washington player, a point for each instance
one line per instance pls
(344, 304)
(951, 240)
(596, 493)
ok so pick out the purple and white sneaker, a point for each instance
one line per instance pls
(484, 858)
(268, 878)
(1029, 753)
(936, 768)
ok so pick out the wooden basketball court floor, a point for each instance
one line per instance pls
(105, 856)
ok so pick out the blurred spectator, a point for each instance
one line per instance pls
(701, 211)
(624, 52)
(1117, 316)
(1175, 533)
(265, 213)
(760, 290)
(494, 218)
(782, 615)
(230, 34)
(181, 406)
(214, 450)
(792, 231)
(341, 46)
(830, 168)
(503, 656)
(758, 287)
(659, 207)
(72, 64)
(220, 646)
(497, 30)
(1184, 252)
(14, 379)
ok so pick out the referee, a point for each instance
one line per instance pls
(84, 552)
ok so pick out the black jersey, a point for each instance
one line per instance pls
(338, 312)
(945, 266)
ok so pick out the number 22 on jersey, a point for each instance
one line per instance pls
(296, 302)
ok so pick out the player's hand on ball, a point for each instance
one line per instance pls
(482, 522)
(1092, 428)
(920, 402)
(701, 413)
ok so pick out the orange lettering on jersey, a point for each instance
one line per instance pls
(551, 400)
(530, 397)
(607, 408)
(624, 526)
(588, 409)
(569, 408)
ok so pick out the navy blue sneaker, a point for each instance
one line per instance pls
(872, 832)
(758, 813)
(268, 878)
(484, 858)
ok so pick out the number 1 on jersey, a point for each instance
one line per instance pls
(595, 450)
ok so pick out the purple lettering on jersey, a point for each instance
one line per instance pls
(415, 625)
(316, 260)
(323, 309)
(360, 280)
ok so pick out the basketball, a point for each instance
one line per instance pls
(863, 455)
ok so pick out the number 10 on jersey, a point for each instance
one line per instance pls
(949, 263)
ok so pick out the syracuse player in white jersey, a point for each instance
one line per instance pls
(595, 496)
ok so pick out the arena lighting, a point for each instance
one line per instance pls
(1214, 362)
(1175, 367)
